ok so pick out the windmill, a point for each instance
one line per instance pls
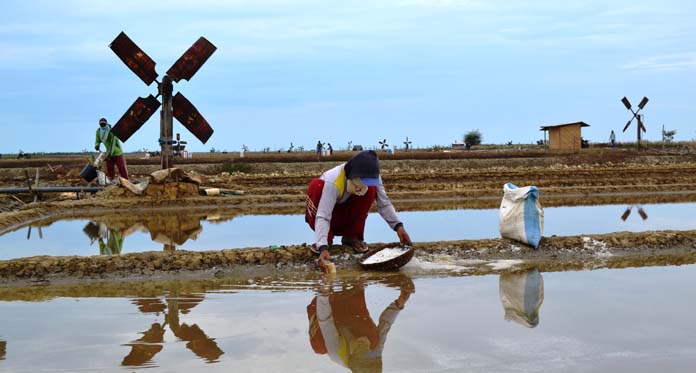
(407, 144)
(177, 106)
(179, 145)
(383, 144)
(638, 117)
(291, 148)
(350, 145)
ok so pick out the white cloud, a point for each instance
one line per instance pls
(667, 62)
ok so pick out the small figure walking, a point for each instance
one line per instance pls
(612, 139)
(320, 146)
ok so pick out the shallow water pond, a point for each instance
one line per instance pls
(209, 231)
(636, 319)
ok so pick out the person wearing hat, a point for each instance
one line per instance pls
(114, 153)
(337, 204)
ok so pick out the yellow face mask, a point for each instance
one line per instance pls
(355, 186)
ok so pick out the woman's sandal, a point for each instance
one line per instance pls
(355, 244)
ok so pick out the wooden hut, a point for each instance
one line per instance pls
(565, 136)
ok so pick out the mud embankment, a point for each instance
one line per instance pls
(471, 257)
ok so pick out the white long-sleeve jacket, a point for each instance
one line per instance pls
(335, 192)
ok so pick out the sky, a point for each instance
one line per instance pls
(337, 71)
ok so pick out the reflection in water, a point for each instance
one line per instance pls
(340, 323)
(110, 240)
(146, 347)
(641, 212)
(3, 348)
(170, 230)
(521, 295)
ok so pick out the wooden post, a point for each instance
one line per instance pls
(638, 126)
(36, 185)
(166, 118)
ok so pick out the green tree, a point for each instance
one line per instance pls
(472, 138)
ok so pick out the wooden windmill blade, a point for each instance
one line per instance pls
(640, 124)
(191, 61)
(188, 115)
(627, 124)
(138, 61)
(139, 112)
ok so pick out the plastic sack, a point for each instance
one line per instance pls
(101, 178)
(521, 215)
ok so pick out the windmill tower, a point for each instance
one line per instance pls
(383, 144)
(407, 144)
(176, 106)
(638, 117)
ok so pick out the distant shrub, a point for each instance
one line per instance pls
(244, 168)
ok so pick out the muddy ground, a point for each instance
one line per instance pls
(276, 183)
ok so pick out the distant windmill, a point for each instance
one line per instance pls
(383, 144)
(407, 144)
(291, 148)
(350, 145)
(179, 145)
(638, 117)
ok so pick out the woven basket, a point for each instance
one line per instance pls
(389, 265)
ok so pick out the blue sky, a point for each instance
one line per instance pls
(303, 70)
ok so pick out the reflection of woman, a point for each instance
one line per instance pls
(100, 232)
(113, 245)
(521, 295)
(340, 326)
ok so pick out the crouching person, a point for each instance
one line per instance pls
(338, 203)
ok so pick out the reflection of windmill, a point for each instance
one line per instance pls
(638, 117)
(641, 212)
(40, 233)
(177, 106)
(383, 144)
(152, 341)
(407, 144)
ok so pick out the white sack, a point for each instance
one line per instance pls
(521, 215)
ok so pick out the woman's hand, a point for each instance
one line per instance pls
(403, 236)
(324, 261)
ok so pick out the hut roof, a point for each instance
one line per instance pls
(546, 128)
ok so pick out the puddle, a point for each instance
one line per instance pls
(201, 231)
(636, 319)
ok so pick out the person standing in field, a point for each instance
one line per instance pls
(612, 139)
(337, 204)
(114, 153)
(320, 146)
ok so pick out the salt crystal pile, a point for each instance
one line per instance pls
(385, 254)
